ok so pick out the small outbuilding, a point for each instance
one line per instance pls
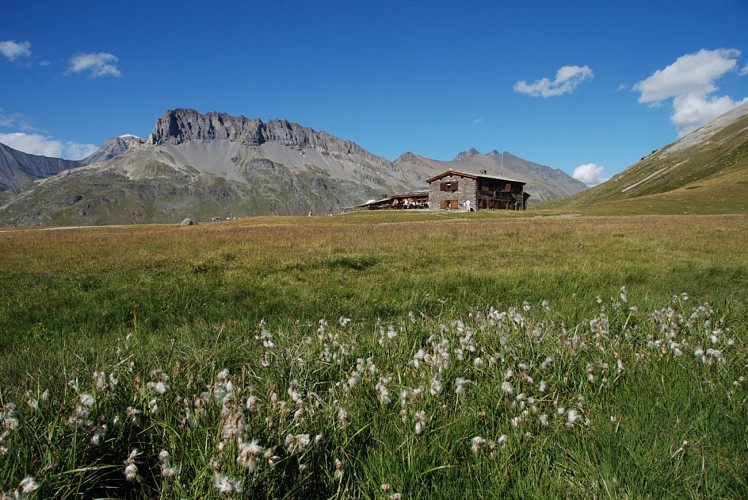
(454, 190)
(408, 201)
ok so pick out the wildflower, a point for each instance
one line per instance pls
(265, 360)
(508, 388)
(543, 387)
(297, 443)
(502, 441)
(131, 470)
(544, 420)
(715, 354)
(266, 337)
(158, 385)
(477, 362)
(9, 417)
(338, 474)
(343, 416)
(248, 455)
(572, 417)
(87, 400)
(460, 384)
(132, 414)
(344, 321)
(225, 484)
(698, 353)
(436, 386)
(384, 394)
(386, 488)
(28, 485)
(99, 380)
(98, 434)
(624, 294)
(251, 404)
(420, 419)
(391, 332)
(167, 471)
(294, 390)
(477, 443)
(546, 363)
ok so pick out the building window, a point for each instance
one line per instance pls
(448, 204)
(448, 186)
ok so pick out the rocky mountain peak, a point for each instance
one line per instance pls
(465, 155)
(178, 126)
(113, 147)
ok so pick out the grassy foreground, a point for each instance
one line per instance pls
(377, 356)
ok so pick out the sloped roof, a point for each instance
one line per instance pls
(470, 175)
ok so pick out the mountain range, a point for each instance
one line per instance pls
(214, 164)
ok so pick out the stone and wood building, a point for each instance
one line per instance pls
(455, 190)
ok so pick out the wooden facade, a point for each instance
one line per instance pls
(453, 190)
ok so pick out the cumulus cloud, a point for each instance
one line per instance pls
(690, 82)
(13, 50)
(591, 174)
(96, 64)
(37, 144)
(567, 79)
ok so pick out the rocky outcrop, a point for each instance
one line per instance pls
(178, 126)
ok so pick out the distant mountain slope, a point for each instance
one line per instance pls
(543, 183)
(214, 164)
(203, 165)
(18, 168)
(710, 156)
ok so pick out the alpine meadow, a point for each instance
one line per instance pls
(374, 250)
(373, 355)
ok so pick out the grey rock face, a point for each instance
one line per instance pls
(18, 168)
(184, 125)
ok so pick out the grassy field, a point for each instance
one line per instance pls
(377, 356)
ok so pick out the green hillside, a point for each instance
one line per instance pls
(704, 176)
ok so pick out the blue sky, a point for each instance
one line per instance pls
(585, 86)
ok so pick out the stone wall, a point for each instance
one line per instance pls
(454, 198)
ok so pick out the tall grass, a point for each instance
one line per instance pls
(371, 356)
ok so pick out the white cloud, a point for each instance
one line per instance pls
(37, 144)
(690, 73)
(689, 82)
(691, 111)
(14, 50)
(97, 64)
(744, 71)
(14, 120)
(567, 79)
(591, 174)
